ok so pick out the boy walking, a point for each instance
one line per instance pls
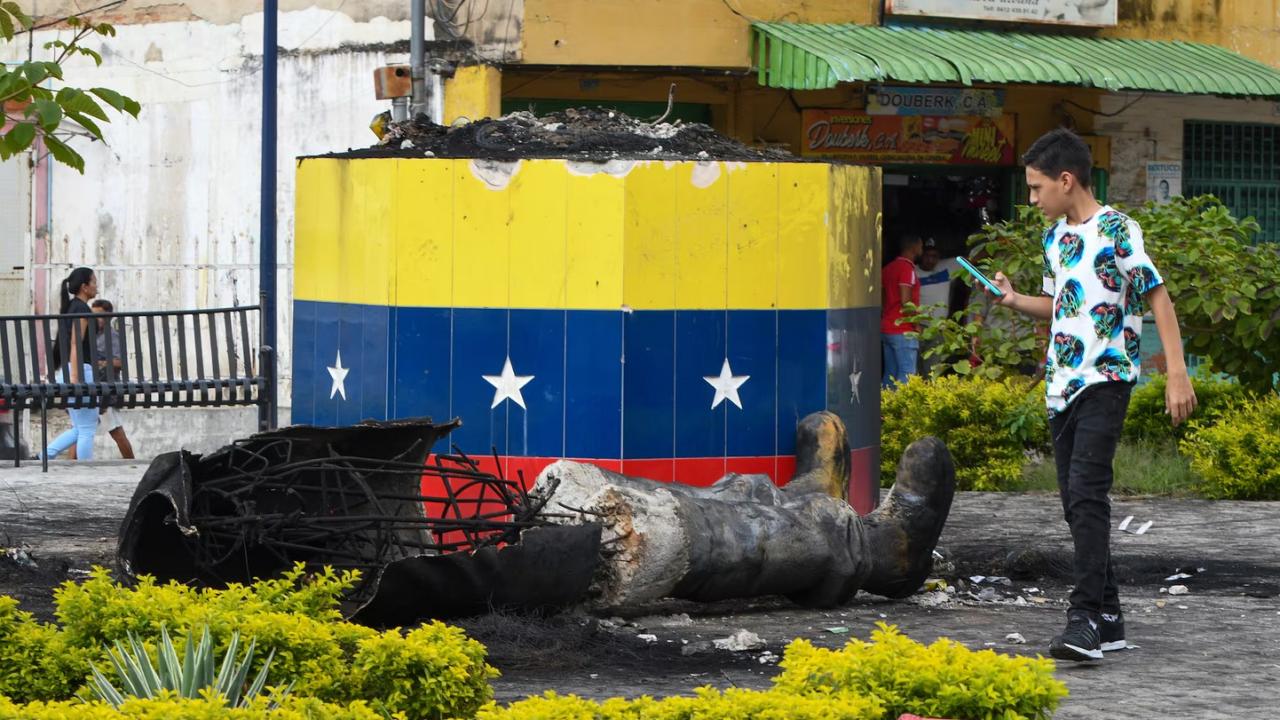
(1098, 283)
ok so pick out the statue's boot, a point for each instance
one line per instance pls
(903, 531)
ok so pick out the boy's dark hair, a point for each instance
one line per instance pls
(907, 241)
(104, 304)
(1059, 151)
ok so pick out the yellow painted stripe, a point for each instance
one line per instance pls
(539, 213)
(753, 236)
(316, 213)
(551, 234)
(802, 235)
(649, 229)
(481, 241)
(424, 233)
(702, 199)
(593, 239)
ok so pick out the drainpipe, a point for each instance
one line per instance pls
(417, 57)
(267, 212)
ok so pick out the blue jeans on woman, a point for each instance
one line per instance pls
(900, 356)
(84, 423)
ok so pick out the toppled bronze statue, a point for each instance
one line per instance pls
(745, 537)
(436, 537)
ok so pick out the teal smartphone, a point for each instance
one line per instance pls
(981, 278)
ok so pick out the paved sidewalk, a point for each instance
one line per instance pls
(1212, 653)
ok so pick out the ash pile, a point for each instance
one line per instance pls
(588, 134)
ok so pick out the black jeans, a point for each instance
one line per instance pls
(1084, 444)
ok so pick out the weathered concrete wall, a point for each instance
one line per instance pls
(159, 430)
(167, 210)
(1151, 130)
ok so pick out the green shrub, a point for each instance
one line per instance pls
(1227, 290)
(1147, 419)
(1239, 456)
(34, 661)
(945, 679)
(171, 708)
(708, 704)
(433, 672)
(988, 425)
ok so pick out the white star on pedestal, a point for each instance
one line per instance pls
(339, 375)
(726, 385)
(507, 385)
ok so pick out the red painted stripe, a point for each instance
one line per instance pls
(864, 480)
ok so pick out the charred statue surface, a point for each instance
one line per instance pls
(435, 537)
(745, 537)
(368, 497)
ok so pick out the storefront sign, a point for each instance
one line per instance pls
(925, 139)
(1164, 181)
(1095, 13)
(935, 101)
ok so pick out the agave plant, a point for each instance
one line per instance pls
(191, 677)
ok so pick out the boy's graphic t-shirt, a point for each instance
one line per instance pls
(1097, 274)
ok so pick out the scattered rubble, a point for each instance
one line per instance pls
(20, 556)
(1015, 638)
(1179, 590)
(591, 134)
(740, 641)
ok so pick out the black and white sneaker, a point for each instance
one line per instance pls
(1080, 641)
(1111, 632)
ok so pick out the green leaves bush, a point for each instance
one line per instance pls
(944, 680)
(708, 704)
(1239, 456)
(1226, 291)
(35, 661)
(172, 708)
(433, 672)
(877, 680)
(1148, 421)
(988, 425)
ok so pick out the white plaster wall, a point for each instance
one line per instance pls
(167, 210)
(1151, 130)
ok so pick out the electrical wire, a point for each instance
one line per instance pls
(1099, 113)
(82, 13)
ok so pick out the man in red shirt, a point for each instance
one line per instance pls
(899, 284)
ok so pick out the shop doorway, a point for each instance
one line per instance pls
(945, 205)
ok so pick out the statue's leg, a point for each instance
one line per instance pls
(904, 530)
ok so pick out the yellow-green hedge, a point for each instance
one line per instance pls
(877, 680)
(293, 708)
(1238, 457)
(988, 425)
(434, 671)
(708, 704)
(945, 679)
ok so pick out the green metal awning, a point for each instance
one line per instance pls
(816, 56)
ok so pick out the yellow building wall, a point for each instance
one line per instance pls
(553, 234)
(1249, 27)
(715, 33)
(666, 33)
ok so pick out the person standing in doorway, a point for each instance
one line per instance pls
(73, 355)
(109, 353)
(938, 278)
(898, 285)
(1098, 283)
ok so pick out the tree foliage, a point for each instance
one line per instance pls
(37, 103)
(1225, 288)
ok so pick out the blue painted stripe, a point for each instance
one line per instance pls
(605, 384)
